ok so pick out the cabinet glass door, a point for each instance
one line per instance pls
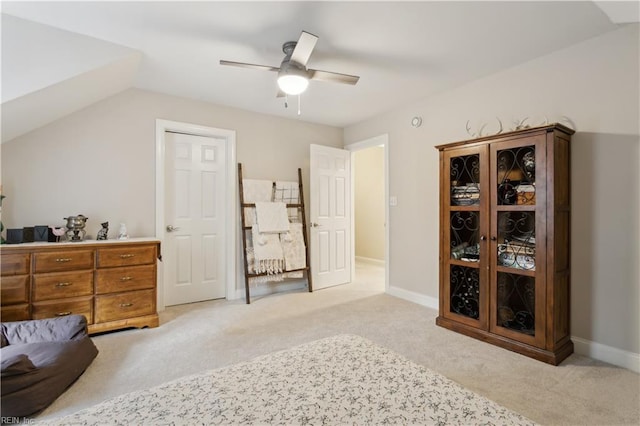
(464, 255)
(517, 300)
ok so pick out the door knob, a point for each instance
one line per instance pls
(314, 225)
(171, 228)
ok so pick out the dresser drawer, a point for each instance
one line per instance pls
(15, 289)
(60, 308)
(126, 256)
(15, 313)
(15, 264)
(114, 280)
(63, 261)
(60, 285)
(125, 305)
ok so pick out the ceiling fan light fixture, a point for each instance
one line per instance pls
(292, 78)
(292, 84)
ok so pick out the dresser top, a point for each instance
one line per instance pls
(78, 244)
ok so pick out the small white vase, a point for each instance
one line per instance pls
(122, 233)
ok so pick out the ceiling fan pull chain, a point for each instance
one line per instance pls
(286, 101)
(299, 104)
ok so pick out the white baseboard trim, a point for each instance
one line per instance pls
(272, 288)
(604, 353)
(370, 260)
(420, 299)
(609, 354)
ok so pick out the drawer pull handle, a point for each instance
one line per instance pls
(126, 305)
(126, 279)
(63, 259)
(63, 314)
(126, 256)
(67, 284)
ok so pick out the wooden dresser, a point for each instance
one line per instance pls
(112, 283)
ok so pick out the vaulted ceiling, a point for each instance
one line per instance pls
(58, 57)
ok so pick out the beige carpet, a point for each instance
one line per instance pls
(338, 380)
(199, 337)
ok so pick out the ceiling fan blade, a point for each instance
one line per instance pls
(280, 94)
(252, 66)
(304, 47)
(333, 77)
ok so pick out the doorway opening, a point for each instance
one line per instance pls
(370, 231)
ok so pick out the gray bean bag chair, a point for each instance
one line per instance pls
(40, 360)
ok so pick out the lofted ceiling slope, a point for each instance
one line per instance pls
(76, 53)
(48, 73)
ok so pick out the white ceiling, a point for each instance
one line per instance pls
(403, 51)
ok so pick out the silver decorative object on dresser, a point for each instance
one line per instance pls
(75, 227)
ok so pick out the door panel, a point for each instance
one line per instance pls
(182, 254)
(195, 173)
(464, 255)
(518, 172)
(323, 252)
(330, 212)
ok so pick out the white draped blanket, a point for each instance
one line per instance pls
(267, 252)
(254, 190)
(293, 248)
(340, 380)
(274, 244)
(289, 193)
(272, 217)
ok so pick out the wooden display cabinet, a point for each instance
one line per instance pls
(504, 232)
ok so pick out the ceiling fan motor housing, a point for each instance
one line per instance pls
(288, 67)
(288, 48)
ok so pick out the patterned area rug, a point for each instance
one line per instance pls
(339, 380)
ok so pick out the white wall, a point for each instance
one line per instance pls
(369, 202)
(100, 161)
(595, 84)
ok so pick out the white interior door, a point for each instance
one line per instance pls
(330, 214)
(195, 193)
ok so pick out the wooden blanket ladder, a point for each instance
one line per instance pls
(245, 207)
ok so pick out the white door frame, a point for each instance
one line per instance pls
(380, 140)
(194, 129)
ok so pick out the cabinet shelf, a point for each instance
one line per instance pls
(466, 263)
(518, 271)
(515, 208)
(473, 208)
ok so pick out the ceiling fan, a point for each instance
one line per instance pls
(293, 74)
